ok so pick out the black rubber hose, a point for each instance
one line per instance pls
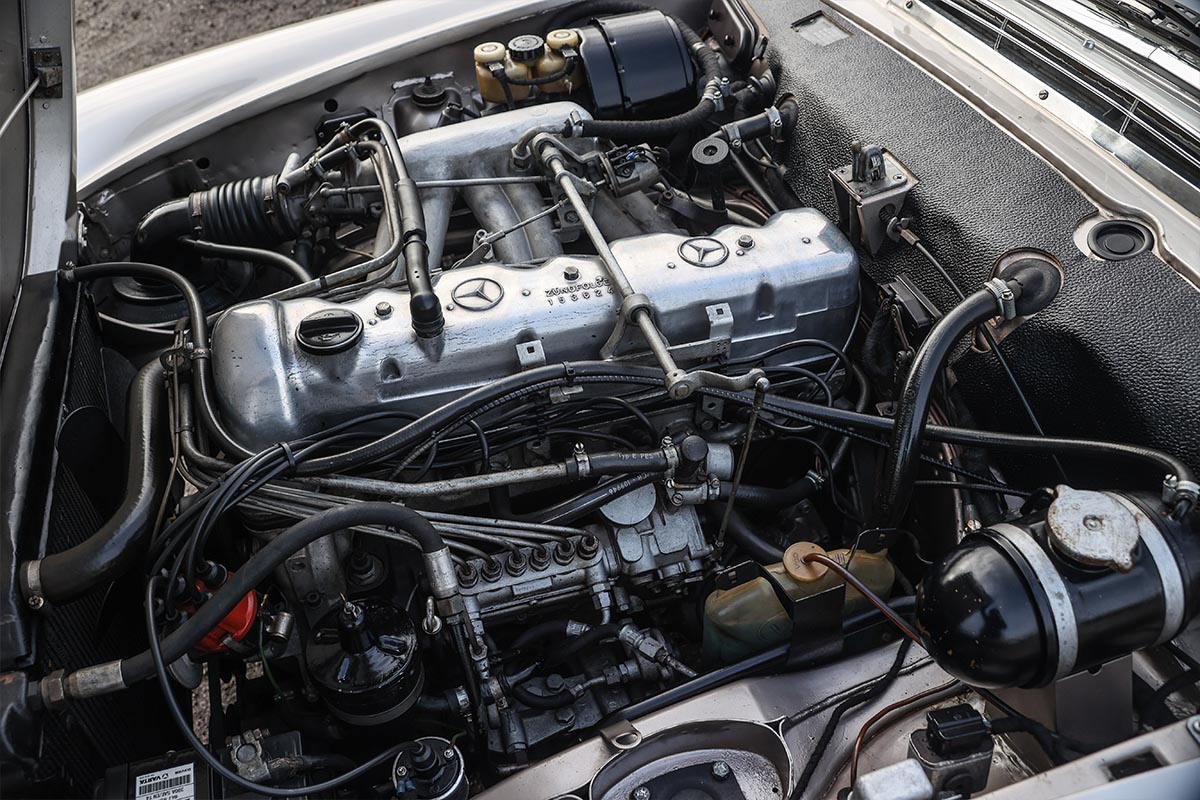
(245, 212)
(200, 355)
(707, 61)
(426, 310)
(530, 381)
(767, 497)
(262, 564)
(581, 642)
(108, 553)
(254, 255)
(841, 420)
(912, 404)
(747, 538)
(573, 508)
(542, 630)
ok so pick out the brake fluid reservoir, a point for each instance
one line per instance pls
(490, 87)
(554, 62)
(748, 619)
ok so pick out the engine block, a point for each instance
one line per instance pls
(289, 368)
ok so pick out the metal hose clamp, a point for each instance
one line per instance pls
(1006, 301)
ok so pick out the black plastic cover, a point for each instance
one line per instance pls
(637, 64)
(331, 331)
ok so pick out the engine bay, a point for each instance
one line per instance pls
(532, 431)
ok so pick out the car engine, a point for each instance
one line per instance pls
(526, 435)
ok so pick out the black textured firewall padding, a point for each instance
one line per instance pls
(1118, 354)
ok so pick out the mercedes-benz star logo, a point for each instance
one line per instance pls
(703, 251)
(478, 294)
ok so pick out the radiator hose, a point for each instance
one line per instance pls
(108, 553)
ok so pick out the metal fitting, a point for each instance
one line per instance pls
(1006, 301)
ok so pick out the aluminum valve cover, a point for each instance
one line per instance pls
(795, 277)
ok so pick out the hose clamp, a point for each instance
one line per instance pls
(1006, 301)
(776, 119)
(714, 91)
(31, 584)
(1174, 490)
(583, 464)
(574, 127)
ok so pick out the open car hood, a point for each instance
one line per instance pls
(37, 185)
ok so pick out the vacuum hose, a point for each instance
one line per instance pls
(1027, 289)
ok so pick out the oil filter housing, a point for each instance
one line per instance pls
(1096, 576)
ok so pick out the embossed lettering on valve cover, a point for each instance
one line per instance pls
(577, 291)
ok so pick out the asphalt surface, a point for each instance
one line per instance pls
(116, 37)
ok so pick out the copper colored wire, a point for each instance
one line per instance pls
(883, 712)
(862, 589)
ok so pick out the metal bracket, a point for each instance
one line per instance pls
(629, 306)
(869, 198)
(816, 619)
(46, 64)
(621, 735)
(531, 354)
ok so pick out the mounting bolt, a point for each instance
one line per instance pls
(401, 771)
(745, 241)
(448, 754)
(720, 770)
(36, 602)
(565, 716)
(571, 273)
(1043, 94)
(640, 793)
(383, 309)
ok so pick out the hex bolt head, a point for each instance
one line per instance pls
(745, 241)
(571, 272)
(554, 682)
(565, 716)
(589, 545)
(383, 309)
(720, 770)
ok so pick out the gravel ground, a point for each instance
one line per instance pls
(116, 37)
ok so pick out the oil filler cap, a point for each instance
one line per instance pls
(331, 331)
